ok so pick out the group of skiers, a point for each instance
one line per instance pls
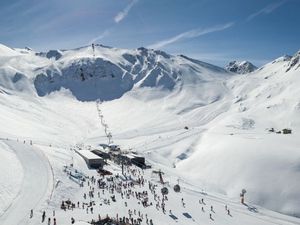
(44, 217)
(103, 191)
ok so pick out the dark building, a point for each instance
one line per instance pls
(102, 154)
(286, 131)
(137, 160)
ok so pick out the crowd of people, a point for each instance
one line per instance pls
(103, 191)
(100, 191)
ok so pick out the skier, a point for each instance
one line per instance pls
(43, 217)
(49, 221)
(31, 213)
(72, 220)
(183, 204)
(54, 221)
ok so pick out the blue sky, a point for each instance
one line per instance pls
(215, 31)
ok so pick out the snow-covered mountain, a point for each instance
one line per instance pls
(240, 67)
(104, 72)
(210, 127)
(107, 73)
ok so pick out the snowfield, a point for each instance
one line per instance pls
(198, 123)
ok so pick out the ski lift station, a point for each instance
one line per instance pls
(137, 160)
(92, 160)
(104, 155)
(114, 147)
(106, 147)
(130, 159)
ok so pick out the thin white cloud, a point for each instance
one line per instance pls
(118, 18)
(101, 36)
(266, 10)
(190, 34)
(122, 14)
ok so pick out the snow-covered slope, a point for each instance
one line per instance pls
(7, 52)
(194, 120)
(241, 67)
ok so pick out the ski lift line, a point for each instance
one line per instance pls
(104, 125)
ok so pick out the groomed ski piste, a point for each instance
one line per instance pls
(210, 132)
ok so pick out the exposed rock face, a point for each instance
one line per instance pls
(294, 62)
(241, 67)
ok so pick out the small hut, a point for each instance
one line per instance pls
(286, 131)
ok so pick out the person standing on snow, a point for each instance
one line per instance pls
(183, 204)
(43, 217)
(228, 212)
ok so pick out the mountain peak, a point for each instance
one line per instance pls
(242, 67)
(7, 51)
